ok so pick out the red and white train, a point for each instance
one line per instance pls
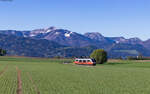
(85, 61)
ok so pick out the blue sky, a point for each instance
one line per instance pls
(128, 18)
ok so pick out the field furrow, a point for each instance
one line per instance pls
(19, 81)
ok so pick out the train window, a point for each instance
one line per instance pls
(84, 60)
(80, 60)
(76, 60)
(88, 60)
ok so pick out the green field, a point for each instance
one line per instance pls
(50, 76)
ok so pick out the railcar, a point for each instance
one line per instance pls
(85, 61)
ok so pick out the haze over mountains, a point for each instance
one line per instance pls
(52, 42)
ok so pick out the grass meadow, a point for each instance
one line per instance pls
(51, 76)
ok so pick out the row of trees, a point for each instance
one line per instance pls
(99, 55)
(139, 57)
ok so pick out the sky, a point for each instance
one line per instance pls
(111, 18)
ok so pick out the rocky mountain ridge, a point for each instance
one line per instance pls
(116, 46)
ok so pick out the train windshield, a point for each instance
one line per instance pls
(93, 60)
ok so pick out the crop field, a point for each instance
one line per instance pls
(51, 76)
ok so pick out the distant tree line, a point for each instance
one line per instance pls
(136, 58)
(139, 57)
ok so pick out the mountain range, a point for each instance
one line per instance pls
(50, 42)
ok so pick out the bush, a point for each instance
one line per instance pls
(99, 55)
(2, 52)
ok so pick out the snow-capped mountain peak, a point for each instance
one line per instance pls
(68, 34)
(46, 30)
(49, 29)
